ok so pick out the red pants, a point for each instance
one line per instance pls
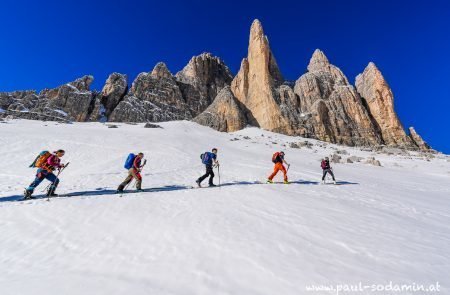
(276, 169)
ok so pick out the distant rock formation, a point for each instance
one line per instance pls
(153, 97)
(417, 139)
(256, 83)
(224, 114)
(201, 80)
(113, 92)
(380, 102)
(338, 113)
(71, 101)
(321, 104)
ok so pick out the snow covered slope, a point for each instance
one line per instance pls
(382, 224)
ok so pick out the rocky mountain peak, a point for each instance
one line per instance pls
(318, 61)
(202, 79)
(256, 82)
(256, 30)
(83, 83)
(161, 71)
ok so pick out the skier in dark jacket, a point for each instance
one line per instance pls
(210, 161)
(49, 164)
(326, 168)
(133, 172)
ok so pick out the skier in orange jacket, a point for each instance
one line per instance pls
(278, 160)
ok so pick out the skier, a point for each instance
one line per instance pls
(133, 172)
(46, 163)
(210, 161)
(327, 169)
(278, 160)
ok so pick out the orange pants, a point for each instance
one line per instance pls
(276, 169)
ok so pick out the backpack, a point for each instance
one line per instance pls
(129, 161)
(41, 159)
(275, 157)
(206, 158)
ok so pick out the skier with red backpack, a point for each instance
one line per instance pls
(134, 167)
(209, 159)
(278, 160)
(326, 168)
(46, 163)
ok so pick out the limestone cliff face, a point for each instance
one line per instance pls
(201, 80)
(153, 97)
(255, 86)
(374, 89)
(116, 86)
(224, 114)
(72, 101)
(337, 112)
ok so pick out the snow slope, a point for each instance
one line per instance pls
(381, 224)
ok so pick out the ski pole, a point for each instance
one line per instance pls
(59, 172)
(218, 173)
(53, 183)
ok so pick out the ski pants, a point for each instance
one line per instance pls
(325, 171)
(42, 174)
(132, 173)
(279, 167)
(210, 173)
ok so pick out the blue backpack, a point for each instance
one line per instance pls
(129, 161)
(206, 158)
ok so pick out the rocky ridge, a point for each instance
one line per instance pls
(320, 104)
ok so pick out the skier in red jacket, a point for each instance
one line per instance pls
(133, 172)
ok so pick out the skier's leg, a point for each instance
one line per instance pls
(275, 171)
(54, 180)
(283, 169)
(37, 180)
(125, 182)
(203, 176)
(332, 174)
(324, 174)
(211, 175)
(138, 177)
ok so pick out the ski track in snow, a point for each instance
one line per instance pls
(380, 224)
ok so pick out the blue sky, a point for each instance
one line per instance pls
(47, 43)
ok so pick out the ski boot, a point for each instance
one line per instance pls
(323, 182)
(334, 182)
(269, 181)
(27, 195)
(198, 183)
(212, 185)
(286, 182)
(51, 192)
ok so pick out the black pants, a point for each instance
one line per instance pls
(210, 173)
(325, 171)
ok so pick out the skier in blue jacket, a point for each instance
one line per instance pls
(210, 161)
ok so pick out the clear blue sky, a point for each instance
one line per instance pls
(47, 43)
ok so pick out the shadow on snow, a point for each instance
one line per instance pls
(168, 188)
